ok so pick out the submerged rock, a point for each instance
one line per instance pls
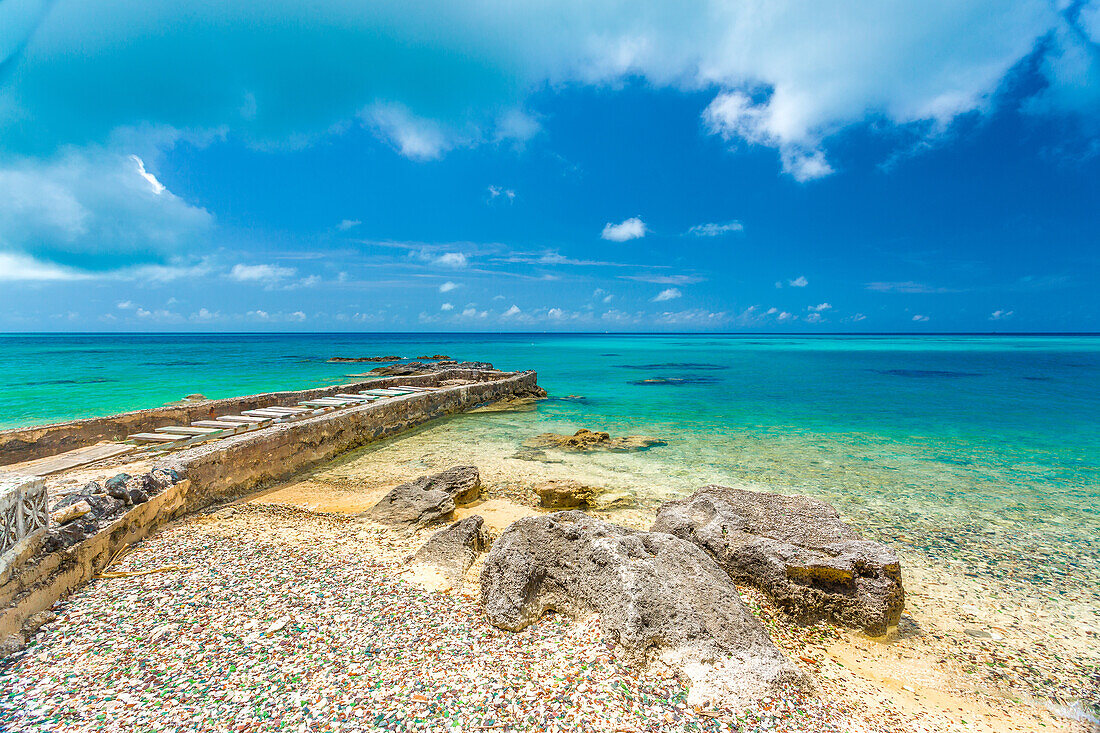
(663, 599)
(565, 494)
(451, 551)
(795, 549)
(588, 440)
(428, 498)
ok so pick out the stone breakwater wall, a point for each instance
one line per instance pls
(232, 467)
(25, 444)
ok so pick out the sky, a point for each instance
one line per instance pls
(753, 165)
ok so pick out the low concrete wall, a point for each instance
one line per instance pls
(25, 444)
(235, 466)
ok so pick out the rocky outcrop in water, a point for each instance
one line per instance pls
(428, 498)
(795, 549)
(413, 368)
(589, 440)
(662, 598)
(345, 359)
(451, 551)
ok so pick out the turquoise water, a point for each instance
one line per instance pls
(979, 455)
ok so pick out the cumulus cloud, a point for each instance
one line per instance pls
(296, 316)
(513, 311)
(813, 318)
(798, 282)
(667, 294)
(447, 307)
(456, 260)
(1000, 315)
(266, 274)
(632, 228)
(447, 287)
(785, 75)
(16, 267)
(818, 308)
(347, 224)
(93, 206)
(716, 230)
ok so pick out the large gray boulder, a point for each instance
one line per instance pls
(795, 549)
(442, 562)
(428, 498)
(663, 599)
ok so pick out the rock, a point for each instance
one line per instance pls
(534, 454)
(418, 367)
(564, 494)
(795, 549)
(162, 478)
(69, 512)
(436, 357)
(115, 483)
(137, 496)
(36, 621)
(589, 440)
(428, 498)
(342, 359)
(195, 397)
(67, 535)
(663, 599)
(450, 552)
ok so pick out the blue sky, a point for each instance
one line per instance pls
(782, 166)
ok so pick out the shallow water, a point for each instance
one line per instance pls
(979, 455)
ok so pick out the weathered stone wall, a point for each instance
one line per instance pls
(234, 466)
(25, 444)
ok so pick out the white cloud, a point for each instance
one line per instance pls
(495, 191)
(602, 295)
(347, 224)
(447, 287)
(16, 267)
(261, 273)
(667, 294)
(812, 318)
(858, 317)
(555, 314)
(124, 304)
(472, 312)
(456, 260)
(907, 286)
(818, 308)
(296, 316)
(920, 319)
(632, 228)
(666, 279)
(204, 315)
(799, 282)
(1000, 315)
(157, 187)
(716, 230)
(414, 137)
(431, 76)
(447, 307)
(513, 311)
(784, 316)
(92, 204)
(258, 315)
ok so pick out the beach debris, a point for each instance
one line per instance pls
(661, 598)
(428, 498)
(565, 494)
(589, 440)
(795, 549)
(451, 551)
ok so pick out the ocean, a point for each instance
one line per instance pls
(976, 457)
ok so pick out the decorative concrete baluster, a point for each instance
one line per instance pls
(22, 510)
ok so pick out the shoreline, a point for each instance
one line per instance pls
(930, 670)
